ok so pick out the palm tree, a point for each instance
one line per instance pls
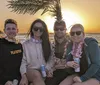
(32, 6)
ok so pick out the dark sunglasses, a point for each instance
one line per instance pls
(38, 28)
(77, 33)
(57, 29)
(9, 28)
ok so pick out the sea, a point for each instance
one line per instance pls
(23, 36)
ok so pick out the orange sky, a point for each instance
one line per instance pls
(86, 12)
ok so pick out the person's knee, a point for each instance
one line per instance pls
(78, 84)
(34, 75)
(63, 83)
(74, 84)
(37, 76)
(60, 84)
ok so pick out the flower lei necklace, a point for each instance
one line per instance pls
(57, 60)
(65, 49)
(77, 49)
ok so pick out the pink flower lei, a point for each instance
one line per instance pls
(77, 49)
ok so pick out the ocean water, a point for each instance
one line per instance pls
(23, 37)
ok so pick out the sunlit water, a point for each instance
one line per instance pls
(23, 37)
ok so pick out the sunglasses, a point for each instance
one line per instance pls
(9, 28)
(38, 28)
(77, 33)
(57, 29)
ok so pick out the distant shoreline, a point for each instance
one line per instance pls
(53, 33)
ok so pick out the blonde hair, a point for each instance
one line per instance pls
(77, 26)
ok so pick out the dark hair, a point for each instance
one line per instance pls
(12, 21)
(45, 38)
(60, 23)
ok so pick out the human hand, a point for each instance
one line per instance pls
(77, 79)
(57, 60)
(24, 80)
(9, 83)
(72, 64)
(63, 61)
(50, 73)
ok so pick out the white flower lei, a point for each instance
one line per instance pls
(58, 60)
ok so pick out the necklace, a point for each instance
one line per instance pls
(58, 61)
(63, 56)
(77, 49)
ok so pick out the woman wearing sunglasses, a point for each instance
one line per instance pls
(36, 53)
(83, 59)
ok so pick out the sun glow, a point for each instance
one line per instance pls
(68, 16)
(71, 18)
(50, 22)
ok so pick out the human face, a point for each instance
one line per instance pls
(37, 30)
(11, 30)
(77, 34)
(60, 31)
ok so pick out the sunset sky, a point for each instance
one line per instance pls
(86, 12)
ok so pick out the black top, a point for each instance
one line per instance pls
(83, 63)
(10, 60)
(59, 48)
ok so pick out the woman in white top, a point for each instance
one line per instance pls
(36, 52)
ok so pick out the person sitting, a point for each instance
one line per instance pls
(37, 52)
(59, 45)
(11, 53)
(83, 59)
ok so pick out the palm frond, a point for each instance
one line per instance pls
(56, 10)
(27, 6)
(32, 6)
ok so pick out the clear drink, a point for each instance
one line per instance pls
(77, 60)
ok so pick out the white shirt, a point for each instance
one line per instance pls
(33, 56)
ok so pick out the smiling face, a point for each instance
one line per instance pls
(60, 29)
(11, 30)
(77, 34)
(37, 29)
